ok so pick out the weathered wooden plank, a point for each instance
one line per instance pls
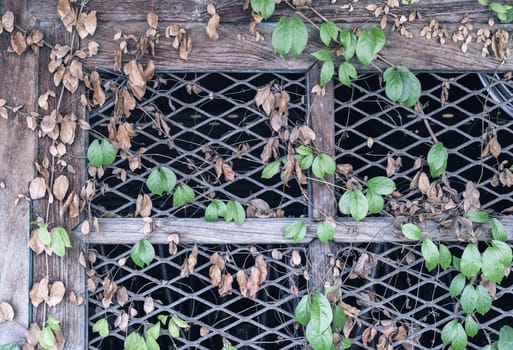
(67, 269)
(254, 231)
(229, 53)
(18, 82)
(231, 10)
(322, 117)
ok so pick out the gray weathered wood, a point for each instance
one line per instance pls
(67, 269)
(18, 82)
(229, 53)
(253, 231)
(231, 10)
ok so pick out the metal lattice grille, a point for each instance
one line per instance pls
(210, 116)
(266, 322)
(405, 305)
(460, 108)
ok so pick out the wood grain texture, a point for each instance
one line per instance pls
(231, 10)
(253, 231)
(67, 269)
(18, 82)
(229, 53)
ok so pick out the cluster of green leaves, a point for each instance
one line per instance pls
(101, 153)
(142, 253)
(147, 341)
(46, 338)
(322, 318)
(358, 205)
(401, 85)
(321, 164)
(473, 297)
(231, 211)
(505, 341)
(163, 180)
(58, 239)
(503, 11)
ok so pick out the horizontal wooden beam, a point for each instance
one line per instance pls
(259, 231)
(187, 11)
(230, 53)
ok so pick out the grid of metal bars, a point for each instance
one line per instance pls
(394, 296)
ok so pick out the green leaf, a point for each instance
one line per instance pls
(46, 338)
(454, 334)
(375, 201)
(302, 311)
(135, 341)
(346, 343)
(445, 256)
(173, 330)
(483, 2)
(322, 165)
(379, 39)
(10, 346)
(348, 40)
(151, 344)
(289, 36)
(228, 346)
(179, 322)
(437, 159)
(153, 332)
(505, 338)
(101, 153)
(325, 231)
(299, 35)
(60, 241)
(102, 327)
(484, 300)
(498, 230)
(54, 324)
(471, 327)
(478, 216)
(264, 8)
(270, 170)
(354, 202)
(381, 185)
(161, 180)
(339, 317)
(327, 71)
(365, 47)
(183, 194)
(320, 314)
(346, 72)
(296, 231)
(328, 32)
(498, 8)
(411, 88)
(394, 84)
(505, 252)
(456, 262)
(323, 55)
(215, 210)
(304, 151)
(430, 253)
(319, 340)
(457, 285)
(43, 234)
(235, 212)
(411, 231)
(491, 266)
(162, 319)
(305, 162)
(468, 299)
(142, 253)
(470, 263)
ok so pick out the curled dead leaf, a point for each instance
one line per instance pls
(149, 305)
(143, 205)
(60, 187)
(6, 312)
(213, 22)
(18, 43)
(37, 188)
(56, 294)
(225, 287)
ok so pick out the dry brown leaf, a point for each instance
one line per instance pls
(69, 81)
(289, 168)
(32, 334)
(85, 228)
(495, 147)
(153, 19)
(215, 275)
(68, 128)
(471, 197)
(35, 243)
(242, 281)
(43, 99)
(204, 331)
(124, 135)
(295, 259)
(219, 167)
(270, 149)
(306, 134)
(37, 188)
(368, 335)
(264, 98)
(8, 21)
(229, 174)
(363, 267)
(121, 321)
(423, 183)
(60, 187)
(253, 284)
(18, 43)
(109, 290)
(122, 296)
(192, 260)
(225, 287)
(216, 259)
(56, 294)
(213, 22)
(149, 305)
(345, 168)
(143, 205)
(6, 312)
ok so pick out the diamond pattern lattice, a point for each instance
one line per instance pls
(474, 104)
(266, 322)
(210, 115)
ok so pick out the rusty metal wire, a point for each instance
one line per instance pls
(459, 109)
(210, 115)
(267, 322)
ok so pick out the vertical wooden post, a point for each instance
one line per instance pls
(18, 86)
(66, 269)
(323, 194)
